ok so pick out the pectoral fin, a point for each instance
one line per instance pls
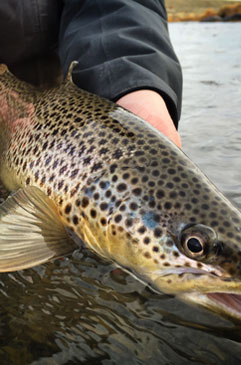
(31, 232)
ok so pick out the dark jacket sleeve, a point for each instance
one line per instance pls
(28, 29)
(121, 46)
(28, 39)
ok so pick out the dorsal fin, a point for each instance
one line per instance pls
(70, 70)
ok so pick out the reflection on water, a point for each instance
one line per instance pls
(82, 310)
(79, 309)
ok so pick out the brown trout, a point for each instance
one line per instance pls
(82, 168)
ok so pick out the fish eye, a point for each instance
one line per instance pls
(197, 241)
(194, 245)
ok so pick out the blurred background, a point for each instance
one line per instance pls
(196, 10)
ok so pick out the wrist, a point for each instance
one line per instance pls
(150, 106)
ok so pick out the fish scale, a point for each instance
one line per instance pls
(117, 184)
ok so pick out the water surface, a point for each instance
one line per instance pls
(81, 310)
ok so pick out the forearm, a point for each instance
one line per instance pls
(121, 46)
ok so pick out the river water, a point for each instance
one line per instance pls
(80, 310)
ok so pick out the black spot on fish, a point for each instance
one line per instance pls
(147, 255)
(52, 177)
(160, 194)
(43, 179)
(60, 185)
(103, 221)
(157, 232)
(108, 193)
(117, 154)
(63, 170)
(96, 196)
(146, 240)
(134, 180)
(125, 176)
(35, 150)
(74, 173)
(68, 208)
(36, 175)
(55, 164)
(171, 171)
(103, 151)
(113, 167)
(137, 191)
(129, 222)
(45, 145)
(133, 206)
(169, 185)
(87, 160)
(24, 166)
(144, 178)
(153, 151)
(103, 206)
(63, 132)
(77, 202)
(82, 150)
(121, 187)
(168, 205)
(142, 230)
(103, 141)
(103, 184)
(48, 160)
(118, 218)
(139, 153)
(52, 144)
(75, 220)
(122, 208)
(93, 213)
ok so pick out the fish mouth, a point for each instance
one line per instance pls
(230, 303)
(218, 293)
(226, 304)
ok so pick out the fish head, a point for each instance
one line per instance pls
(171, 228)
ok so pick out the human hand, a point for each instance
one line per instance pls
(150, 106)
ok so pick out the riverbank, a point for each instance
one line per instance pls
(201, 10)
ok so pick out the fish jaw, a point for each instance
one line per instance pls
(219, 294)
(226, 304)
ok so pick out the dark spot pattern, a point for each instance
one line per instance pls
(108, 167)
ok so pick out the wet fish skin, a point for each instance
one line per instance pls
(120, 186)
